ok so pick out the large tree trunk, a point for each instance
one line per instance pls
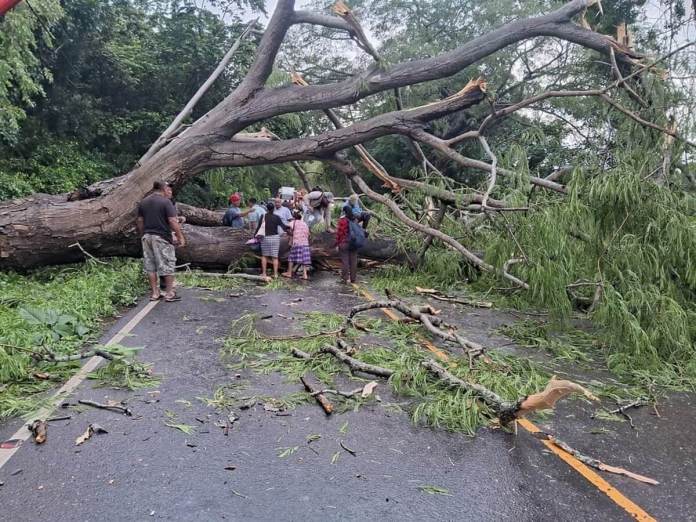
(207, 246)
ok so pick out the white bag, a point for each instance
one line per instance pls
(262, 228)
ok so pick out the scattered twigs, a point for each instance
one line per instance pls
(111, 407)
(61, 418)
(78, 245)
(439, 296)
(304, 336)
(347, 395)
(356, 365)
(621, 410)
(592, 462)
(310, 384)
(351, 451)
(249, 277)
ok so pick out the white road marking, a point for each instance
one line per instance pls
(23, 433)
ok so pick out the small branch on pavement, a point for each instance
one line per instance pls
(111, 407)
(592, 462)
(312, 387)
(306, 336)
(249, 277)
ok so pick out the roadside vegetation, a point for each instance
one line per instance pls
(61, 310)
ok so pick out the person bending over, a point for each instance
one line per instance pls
(300, 253)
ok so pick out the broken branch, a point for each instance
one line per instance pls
(310, 385)
(356, 365)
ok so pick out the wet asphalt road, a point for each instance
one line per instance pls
(144, 470)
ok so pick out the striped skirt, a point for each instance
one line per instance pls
(270, 245)
(300, 255)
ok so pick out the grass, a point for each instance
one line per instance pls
(62, 309)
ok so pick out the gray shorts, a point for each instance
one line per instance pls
(158, 255)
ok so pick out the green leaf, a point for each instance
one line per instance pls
(434, 490)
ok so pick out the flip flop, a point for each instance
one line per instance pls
(152, 298)
(172, 299)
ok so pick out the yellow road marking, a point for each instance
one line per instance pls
(23, 433)
(593, 478)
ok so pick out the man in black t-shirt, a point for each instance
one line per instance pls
(156, 221)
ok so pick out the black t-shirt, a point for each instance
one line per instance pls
(272, 224)
(156, 210)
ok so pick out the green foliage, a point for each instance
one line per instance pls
(58, 166)
(21, 69)
(636, 238)
(60, 308)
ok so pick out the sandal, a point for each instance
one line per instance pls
(153, 298)
(172, 299)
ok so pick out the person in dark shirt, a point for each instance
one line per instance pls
(270, 240)
(156, 221)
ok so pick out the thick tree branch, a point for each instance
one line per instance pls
(235, 153)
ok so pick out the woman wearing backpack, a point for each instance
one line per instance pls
(347, 245)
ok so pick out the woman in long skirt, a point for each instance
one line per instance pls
(300, 253)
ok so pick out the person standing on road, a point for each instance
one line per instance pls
(155, 223)
(270, 239)
(349, 257)
(300, 254)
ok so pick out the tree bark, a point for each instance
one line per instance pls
(206, 247)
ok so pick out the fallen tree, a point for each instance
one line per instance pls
(39, 230)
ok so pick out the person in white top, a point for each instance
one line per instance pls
(283, 213)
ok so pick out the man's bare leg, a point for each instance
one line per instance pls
(169, 285)
(276, 264)
(264, 265)
(154, 285)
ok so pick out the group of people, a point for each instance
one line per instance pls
(291, 213)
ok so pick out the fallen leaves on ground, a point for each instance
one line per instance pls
(91, 430)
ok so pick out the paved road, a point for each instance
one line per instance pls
(143, 470)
